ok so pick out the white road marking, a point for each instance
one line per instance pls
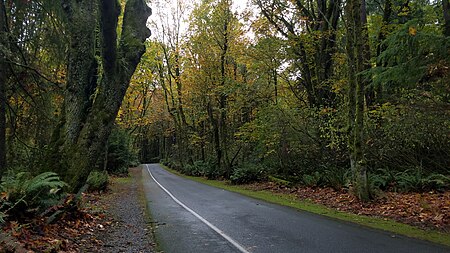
(220, 232)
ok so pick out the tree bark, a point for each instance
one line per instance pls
(179, 88)
(3, 82)
(2, 118)
(446, 10)
(82, 67)
(384, 27)
(351, 100)
(118, 62)
(370, 92)
(223, 96)
(355, 52)
(216, 133)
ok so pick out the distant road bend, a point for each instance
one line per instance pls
(194, 218)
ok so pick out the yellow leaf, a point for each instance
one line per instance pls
(4, 196)
(412, 31)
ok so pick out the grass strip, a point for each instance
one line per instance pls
(304, 205)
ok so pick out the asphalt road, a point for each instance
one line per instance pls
(194, 218)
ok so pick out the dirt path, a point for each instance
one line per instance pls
(128, 229)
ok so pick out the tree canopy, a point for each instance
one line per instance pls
(349, 94)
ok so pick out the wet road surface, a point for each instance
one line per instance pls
(191, 217)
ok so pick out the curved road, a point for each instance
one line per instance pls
(194, 218)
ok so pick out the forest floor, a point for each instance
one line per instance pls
(428, 210)
(113, 221)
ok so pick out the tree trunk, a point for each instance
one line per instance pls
(329, 13)
(355, 51)
(3, 81)
(2, 118)
(370, 92)
(384, 27)
(179, 89)
(216, 133)
(183, 140)
(118, 62)
(275, 84)
(363, 64)
(351, 100)
(223, 96)
(446, 10)
(82, 67)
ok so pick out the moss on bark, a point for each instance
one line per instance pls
(88, 128)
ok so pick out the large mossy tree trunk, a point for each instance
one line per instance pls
(98, 75)
(82, 66)
(356, 94)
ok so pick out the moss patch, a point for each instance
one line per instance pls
(291, 201)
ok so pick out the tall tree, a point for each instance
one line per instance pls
(91, 104)
(224, 39)
(3, 80)
(311, 27)
(356, 92)
(216, 68)
(169, 35)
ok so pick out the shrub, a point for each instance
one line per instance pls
(202, 169)
(171, 164)
(411, 180)
(211, 171)
(190, 170)
(405, 137)
(120, 152)
(382, 179)
(97, 180)
(313, 179)
(281, 182)
(437, 182)
(248, 173)
(337, 178)
(23, 194)
(415, 180)
(164, 161)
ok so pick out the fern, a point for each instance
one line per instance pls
(2, 217)
(312, 180)
(97, 180)
(437, 181)
(44, 181)
(382, 179)
(409, 180)
(337, 178)
(415, 180)
(22, 193)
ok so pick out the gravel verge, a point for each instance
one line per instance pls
(128, 229)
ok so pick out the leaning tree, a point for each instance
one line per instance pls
(101, 62)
